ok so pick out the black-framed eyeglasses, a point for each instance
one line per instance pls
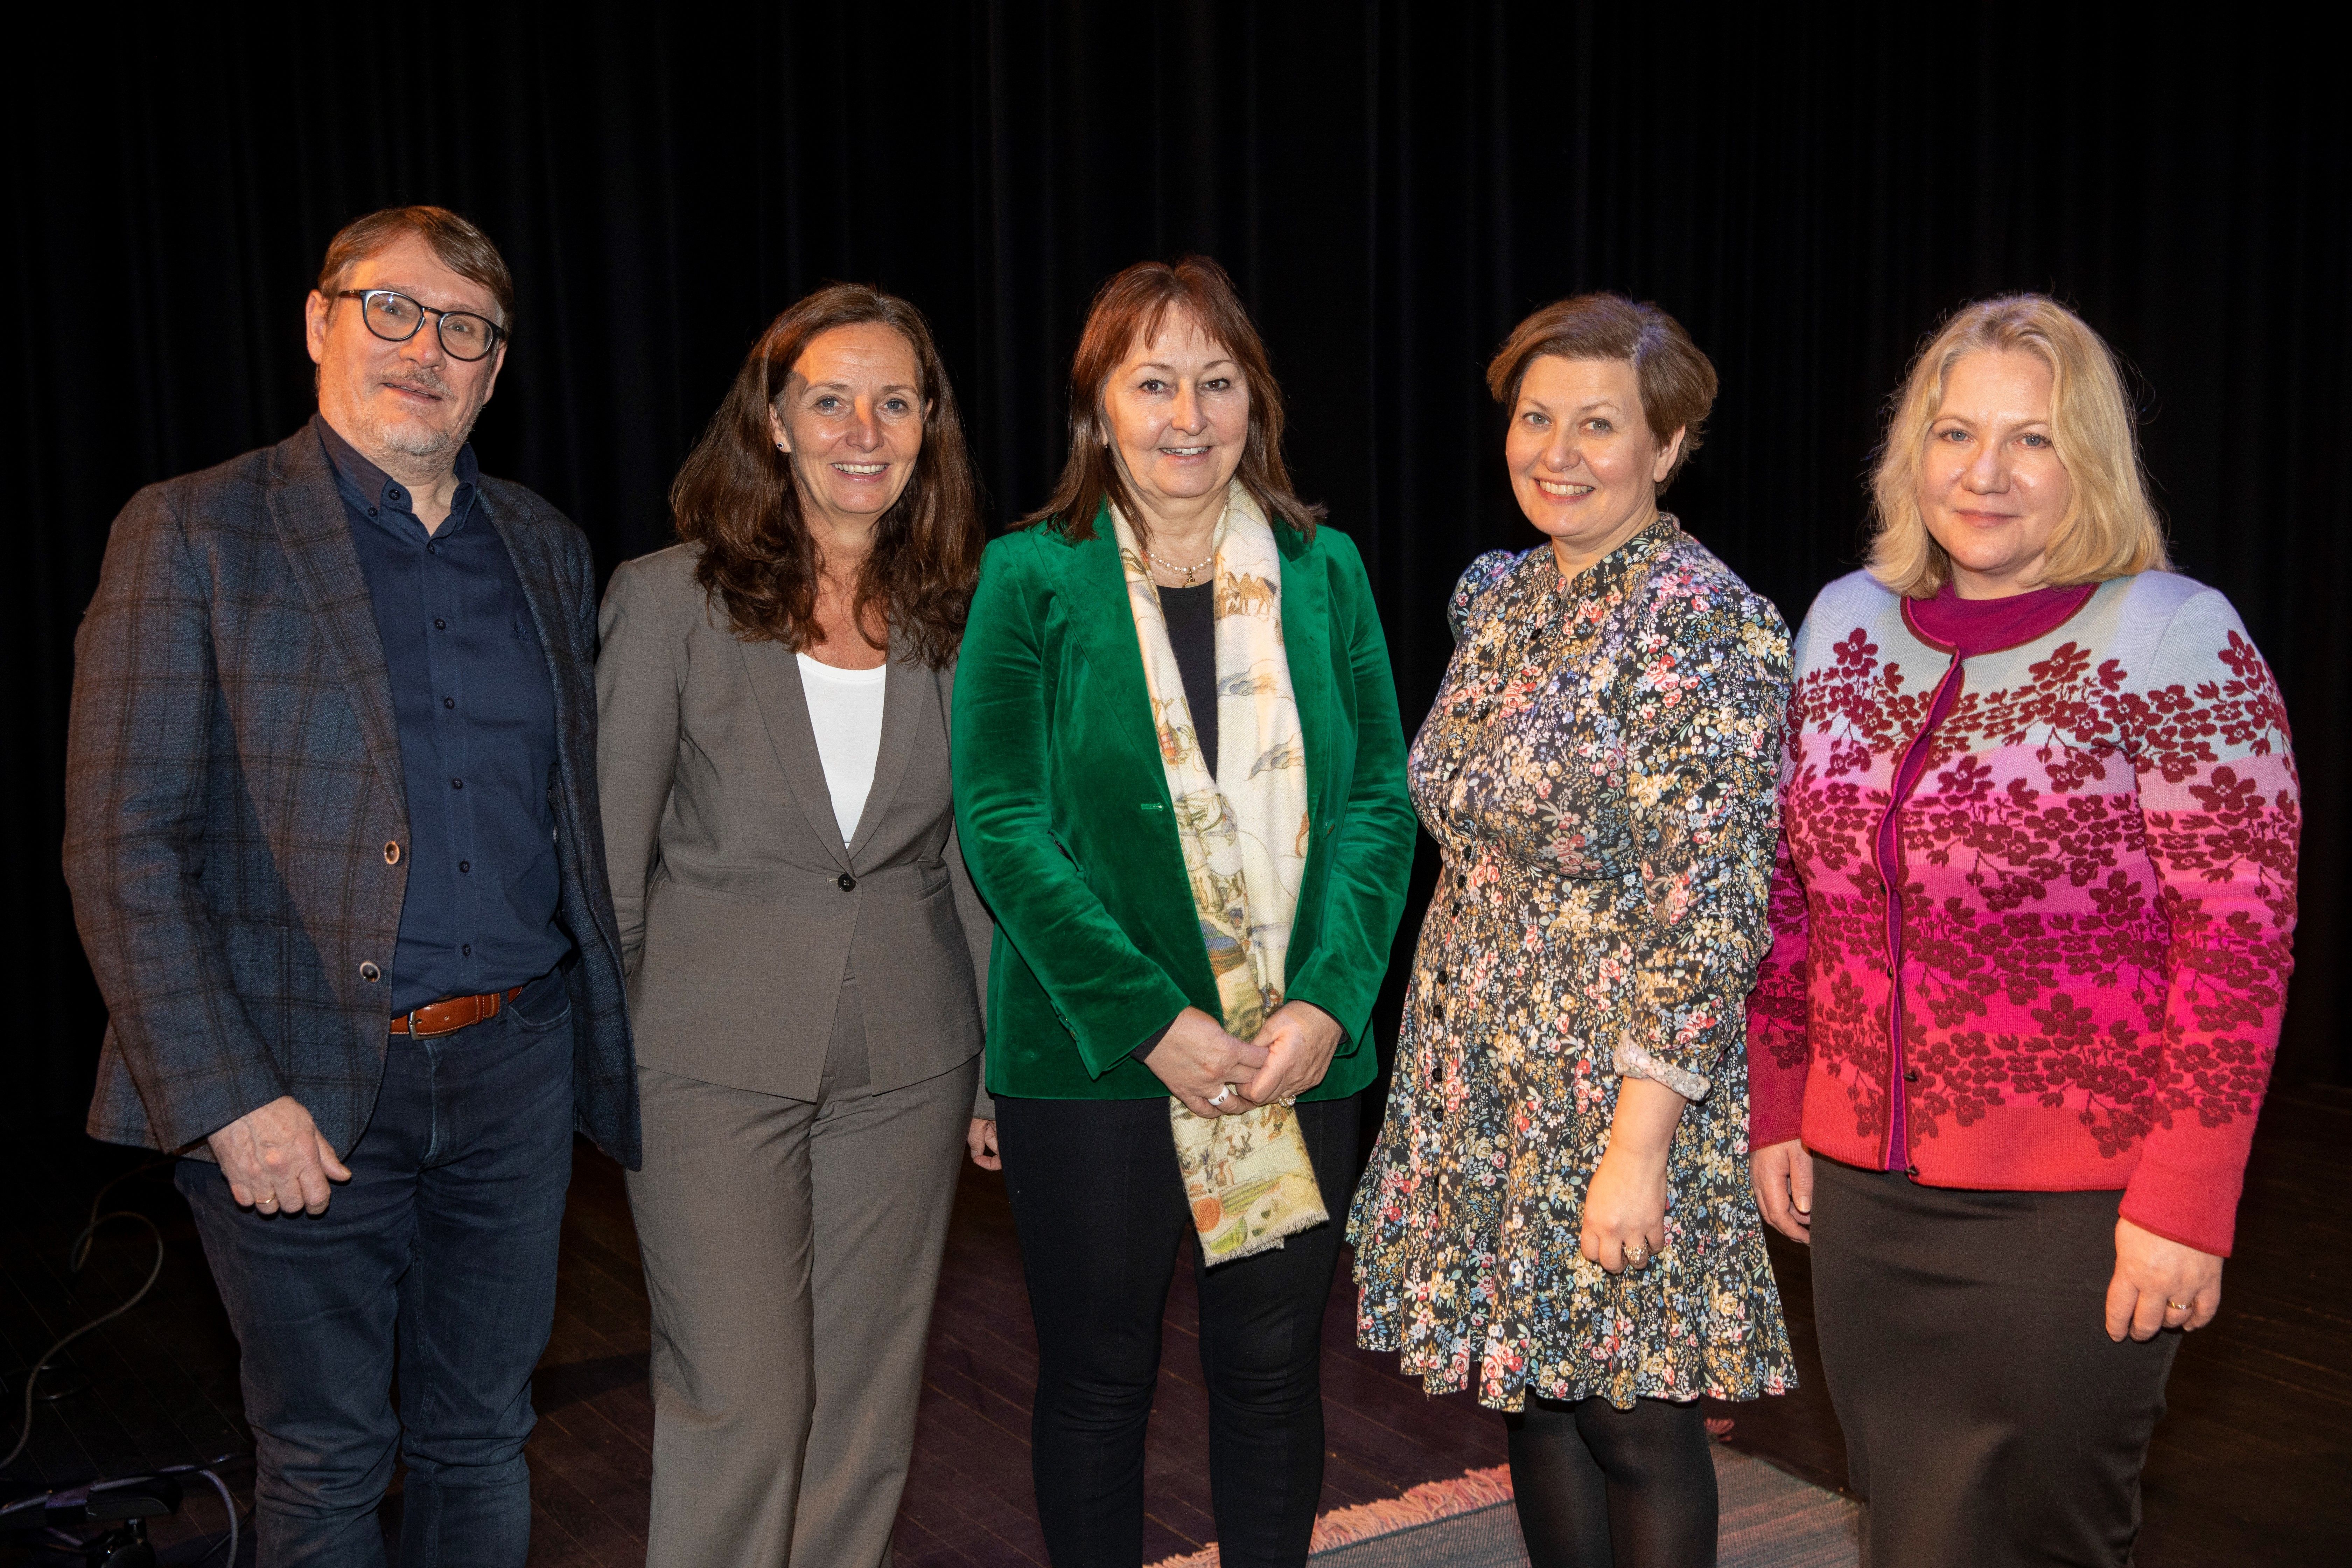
(394, 317)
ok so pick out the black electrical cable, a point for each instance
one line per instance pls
(74, 1260)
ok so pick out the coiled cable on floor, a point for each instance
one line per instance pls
(228, 1503)
(74, 1260)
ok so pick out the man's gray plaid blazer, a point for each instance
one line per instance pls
(234, 797)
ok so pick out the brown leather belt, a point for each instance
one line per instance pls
(452, 1014)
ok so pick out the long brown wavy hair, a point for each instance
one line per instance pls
(1128, 310)
(736, 497)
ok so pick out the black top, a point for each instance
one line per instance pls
(1192, 634)
(1191, 614)
(477, 714)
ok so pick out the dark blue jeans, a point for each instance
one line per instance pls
(438, 1260)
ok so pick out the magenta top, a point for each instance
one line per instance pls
(1965, 629)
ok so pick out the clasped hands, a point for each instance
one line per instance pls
(1216, 1074)
(2157, 1284)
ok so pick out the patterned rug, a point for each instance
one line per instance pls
(1769, 1520)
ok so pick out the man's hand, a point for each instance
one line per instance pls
(276, 1161)
(1782, 1176)
(1199, 1062)
(2160, 1284)
(1298, 1040)
(980, 1139)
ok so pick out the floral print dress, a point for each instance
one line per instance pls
(1599, 771)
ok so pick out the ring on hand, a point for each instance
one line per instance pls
(1219, 1098)
(2181, 1306)
(1636, 1253)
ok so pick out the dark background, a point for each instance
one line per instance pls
(1808, 190)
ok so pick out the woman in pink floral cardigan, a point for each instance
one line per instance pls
(2031, 921)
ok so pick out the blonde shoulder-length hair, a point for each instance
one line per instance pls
(2110, 530)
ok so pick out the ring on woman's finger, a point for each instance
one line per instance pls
(1219, 1098)
(1636, 1255)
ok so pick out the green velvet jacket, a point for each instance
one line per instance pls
(1063, 813)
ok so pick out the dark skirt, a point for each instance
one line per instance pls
(1989, 1419)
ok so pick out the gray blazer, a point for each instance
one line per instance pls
(739, 907)
(234, 788)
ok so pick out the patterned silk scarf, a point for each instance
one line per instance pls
(1244, 830)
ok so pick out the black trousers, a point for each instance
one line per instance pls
(1101, 1213)
(1989, 1420)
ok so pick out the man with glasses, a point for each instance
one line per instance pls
(333, 841)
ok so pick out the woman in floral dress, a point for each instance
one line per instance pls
(1559, 1197)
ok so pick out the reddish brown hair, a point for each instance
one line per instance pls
(456, 243)
(1678, 381)
(1128, 310)
(735, 495)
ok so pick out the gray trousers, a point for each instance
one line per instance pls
(792, 1249)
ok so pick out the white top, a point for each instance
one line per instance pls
(845, 709)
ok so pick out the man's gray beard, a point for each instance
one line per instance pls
(419, 440)
(421, 447)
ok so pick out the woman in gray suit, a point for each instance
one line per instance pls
(805, 951)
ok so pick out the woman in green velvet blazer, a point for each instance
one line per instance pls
(1102, 1001)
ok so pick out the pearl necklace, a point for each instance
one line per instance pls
(1189, 572)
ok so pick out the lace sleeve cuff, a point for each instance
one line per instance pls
(1634, 1060)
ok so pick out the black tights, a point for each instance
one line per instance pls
(1101, 1211)
(1602, 1488)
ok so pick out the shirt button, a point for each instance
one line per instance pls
(448, 702)
(1910, 1075)
(456, 784)
(468, 950)
(439, 624)
(464, 865)
(845, 882)
(392, 852)
(370, 972)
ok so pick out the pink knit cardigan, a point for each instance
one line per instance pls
(2093, 910)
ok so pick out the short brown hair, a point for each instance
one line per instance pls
(459, 246)
(2110, 530)
(735, 495)
(1677, 382)
(1129, 309)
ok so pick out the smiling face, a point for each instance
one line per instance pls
(1992, 489)
(1177, 410)
(406, 406)
(1583, 464)
(851, 416)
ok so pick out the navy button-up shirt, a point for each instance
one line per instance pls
(476, 715)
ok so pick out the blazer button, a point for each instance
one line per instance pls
(845, 882)
(392, 852)
(370, 972)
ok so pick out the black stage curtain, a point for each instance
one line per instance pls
(1394, 185)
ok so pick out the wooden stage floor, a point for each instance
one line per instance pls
(2250, 1465)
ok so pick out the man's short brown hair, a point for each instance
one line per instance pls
(1678, 381)
(460, 247)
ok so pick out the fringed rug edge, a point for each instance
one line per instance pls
(1424, 1504)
